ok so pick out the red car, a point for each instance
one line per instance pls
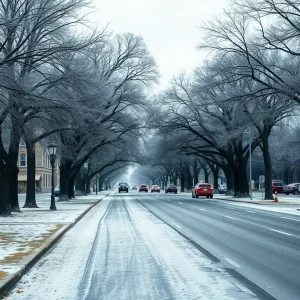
(143, 188)
(277, 186)
(203, 189)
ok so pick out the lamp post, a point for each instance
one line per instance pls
(85, 177)
(52, 152)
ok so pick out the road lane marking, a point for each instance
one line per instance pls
(176, 225)
(232, 218)
(199, 208)
(290, 219)
(232, 262)
(280, 231)
(180, 202)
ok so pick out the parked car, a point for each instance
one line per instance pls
(123, 186)
(56, 191)
(277, 186)
(143, 188)
(292, 188)
(172, 188)
(155, 188)
(203, 189)
(222, 188)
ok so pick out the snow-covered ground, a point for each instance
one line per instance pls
(119, 250)
(293, 210)
(22, 233)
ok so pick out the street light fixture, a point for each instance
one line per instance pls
(52, 148)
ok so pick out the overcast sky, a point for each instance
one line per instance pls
(170, 28)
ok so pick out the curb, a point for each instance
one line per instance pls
(32, 259)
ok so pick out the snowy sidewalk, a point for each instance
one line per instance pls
(285, 204)
(26, 236)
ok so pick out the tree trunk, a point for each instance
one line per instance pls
(5, 208)
(30, 186)
(189, 179)
(13, 161)
(71, 183)
(195, 173)
(65, 167)
(228, 172)
(206, 175)
(241, 187)
(182, 180)
(268, 169)
(88, 185)
(80, 184)
(215, 172)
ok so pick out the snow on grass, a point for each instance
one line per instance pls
(18, 241)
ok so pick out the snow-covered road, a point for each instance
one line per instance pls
(119, 250)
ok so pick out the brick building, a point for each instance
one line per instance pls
(43, 174)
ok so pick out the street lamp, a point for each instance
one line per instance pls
(52, 152)
(85, 179)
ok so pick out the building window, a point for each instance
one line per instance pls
(22, 143)
(23, 160)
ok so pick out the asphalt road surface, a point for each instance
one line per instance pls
(263, 246)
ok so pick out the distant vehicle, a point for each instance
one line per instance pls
(134, 187)
(56, 191)
(172, 188)
(292, 188)
(277, 186)
(222, 188)
(123, 186)
(155, 188)
(143, 188)
(203, 189)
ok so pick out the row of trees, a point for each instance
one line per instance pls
(247, 87)
(62, 79)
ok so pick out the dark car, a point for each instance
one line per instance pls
(292, 188)
(56, 191)
(222, 188)
(277, 186)
(143, 188)
(171, 189)
(123, 187)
